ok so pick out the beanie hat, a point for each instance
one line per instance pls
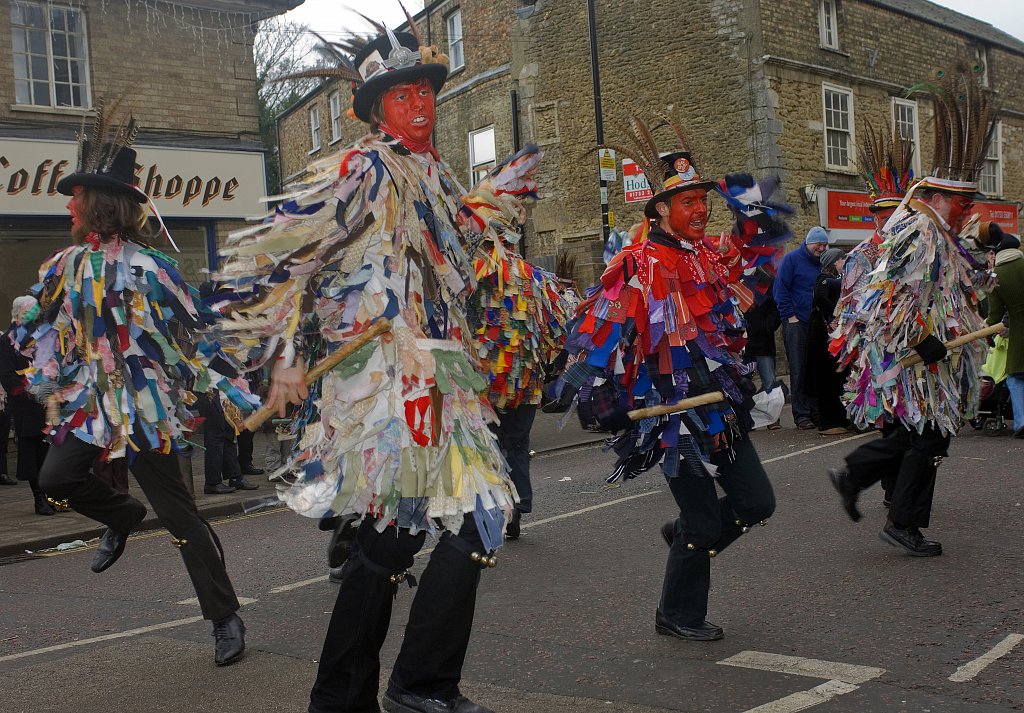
(830, 257)
(817, 234)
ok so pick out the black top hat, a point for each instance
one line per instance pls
(680, 175)
(392, 58)
(116, 174)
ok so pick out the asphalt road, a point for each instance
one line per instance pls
(817, 611)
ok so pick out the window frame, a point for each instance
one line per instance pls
(997, 144)
(314, 129)
(485, 166)
(828, 12)
(83, 84)
(456, 46)
(334, 104)
(911, 104)
(851, 138)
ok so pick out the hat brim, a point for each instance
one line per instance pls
(366, 95)
(651, 212)
(95, 180)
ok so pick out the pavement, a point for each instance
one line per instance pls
(22, 532)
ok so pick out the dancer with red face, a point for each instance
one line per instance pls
(668, 326)
(397, 434)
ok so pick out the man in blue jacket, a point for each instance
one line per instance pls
(794, 285)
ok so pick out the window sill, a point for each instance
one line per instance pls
(334, 141)
(845, 170)
(59, 110)
(834, 50)
(313, 150)
(457, 70)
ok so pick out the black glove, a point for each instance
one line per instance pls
(931, 349)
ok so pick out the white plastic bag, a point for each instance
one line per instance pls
(767, 407)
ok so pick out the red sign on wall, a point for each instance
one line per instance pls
(1005, 214)
(634, 183)
(848, 210)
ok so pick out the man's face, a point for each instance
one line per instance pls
(882, 216)
(953, 208)
(686, 214)
(78, 229)
(409, 110)
(816, 249)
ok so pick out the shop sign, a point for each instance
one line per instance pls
(1005, 214)
(635, 187)
(183, 183)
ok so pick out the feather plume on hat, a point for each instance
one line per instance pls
(885, 164)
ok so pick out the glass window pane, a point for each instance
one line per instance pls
(483, 147)
(40, 70)
(41, 93)
(76, 96)
(18, 37)
(21, 92)
(74, 21)
(75, 46)
(37, 42)
(60, 44)
(17, 14)
(56, 19)
(21, 67)
(63, 92)
(60, 71)
(34, 16)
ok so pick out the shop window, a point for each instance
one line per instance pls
(992, 170)
(481, 153)
(838, 112)
(314, 128)
(335, 116)
(456, 57)
(49, 45)
(904, 122)
(828, 25)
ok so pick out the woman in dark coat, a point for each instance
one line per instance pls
(27, 415)
(823, 380)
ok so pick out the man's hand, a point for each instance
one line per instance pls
(793, 319)
(287, 386)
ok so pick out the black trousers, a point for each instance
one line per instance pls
(514, 439)
(5, 436)
(708, 522)
(245, 446)
(907, 460)
(430, 661)
(66, 474)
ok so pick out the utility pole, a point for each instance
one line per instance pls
(595, 72)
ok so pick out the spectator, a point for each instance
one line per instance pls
(793, 291)
(1008, 299)
(762, 323)
(824, 381)
(221, 457)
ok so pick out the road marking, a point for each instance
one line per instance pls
(105, 637)
(574, 513)
(818, 448)
(843, 678)
(972, 668)
(195, 601)
(806, 699)
(296, 585)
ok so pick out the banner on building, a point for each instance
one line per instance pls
(183, 183)
(635, 187)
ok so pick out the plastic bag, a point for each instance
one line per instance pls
(767, 407)
(995, 364)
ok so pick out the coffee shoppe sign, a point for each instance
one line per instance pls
(183, 183)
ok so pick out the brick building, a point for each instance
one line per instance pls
(766, 87)
(187, 71)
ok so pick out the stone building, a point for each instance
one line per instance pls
(186, 70)
(778, 87)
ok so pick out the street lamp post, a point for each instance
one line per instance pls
(595, 72)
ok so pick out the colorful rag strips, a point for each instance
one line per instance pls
(925, 281)
(519, 321)
(399, 430)
(670, 316)
(113, 341)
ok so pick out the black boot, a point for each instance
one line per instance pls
(42, 505)
(513, 529)
(229, 640)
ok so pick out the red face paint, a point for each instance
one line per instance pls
(73, 205)
(688, 214)
(409, 111)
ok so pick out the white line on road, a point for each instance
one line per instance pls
(972, 668)
(818, 448)
(843, 678)
(800, 666)
(195, 600)
(296, 585)
(803, 700)
(105, 637)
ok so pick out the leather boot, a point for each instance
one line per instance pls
(42, 505)
(229, 640)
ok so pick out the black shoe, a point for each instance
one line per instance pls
(112, 545)
(668, 532)
(43, 507)
(848, 492)
(243, 484)
(704, 631)
(513, 528)
(910, 540)
(396, 701)
(886, 501)
(252, 470)
(218, 489)
(7, 480)
(229, 640)
(339, 549)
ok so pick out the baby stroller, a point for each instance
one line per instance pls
(994, 407)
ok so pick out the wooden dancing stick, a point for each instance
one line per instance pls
(663, 409)
(381, 326)
(960, 341)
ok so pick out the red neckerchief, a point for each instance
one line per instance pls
(414, 146)
(93, 239)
